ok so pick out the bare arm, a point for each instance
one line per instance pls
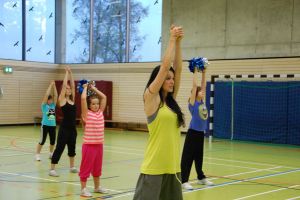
(178, 62)
(48, 91)
(84, 107)
(203, 84)
(54, 93)
(151, 95)
(194, 89)
(62, 95)
(164, 68)
(72, 84)
(102, 96)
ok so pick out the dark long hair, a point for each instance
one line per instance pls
(170, 101)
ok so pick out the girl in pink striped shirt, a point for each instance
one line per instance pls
(92, 108)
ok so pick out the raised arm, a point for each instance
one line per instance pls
(54, 93)
(194, 88)
(62, 95)
(102, 97)
(84, 107)
(177, 61)
(48, 92)
(72, 84)
(153, 89)
(203, 84)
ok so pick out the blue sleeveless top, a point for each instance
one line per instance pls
(199, 114)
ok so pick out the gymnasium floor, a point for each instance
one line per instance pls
(240, 170)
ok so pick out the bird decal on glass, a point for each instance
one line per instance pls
(159, 40)
(48, 53)
(75, 10)
(138, 20)
(84, 21)
(134, 48)
(16, 44)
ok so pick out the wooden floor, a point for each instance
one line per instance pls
(240, 170)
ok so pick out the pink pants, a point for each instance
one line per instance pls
(91, 161)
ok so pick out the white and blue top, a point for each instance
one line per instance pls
(199, 116)
(48, 111)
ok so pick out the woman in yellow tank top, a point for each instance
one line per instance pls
(160, 170)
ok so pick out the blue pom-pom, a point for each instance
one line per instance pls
(200, 63)
(80, 86)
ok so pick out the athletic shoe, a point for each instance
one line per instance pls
(85, 193)
(204, 181)
(101, 190)
(187, 186)
(50, 155)
(53, 173)
(73, 170)
(37, 157)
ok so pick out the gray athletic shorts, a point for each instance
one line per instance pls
(158, 187)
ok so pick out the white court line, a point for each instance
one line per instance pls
(238, 161)
(262, 193)
(51, 180)
(228, 160)
(244, 180)
(124, 152)
(16, 137)
(9, 155)
(294, 198)
(124, 148)
(242, 173)
(238, 166)
(221, 185)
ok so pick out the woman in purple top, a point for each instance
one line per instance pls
(194, 141)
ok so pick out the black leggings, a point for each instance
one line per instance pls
(192, 151)
(66, 136)
(52, 134)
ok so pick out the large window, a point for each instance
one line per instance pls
(40, 21)
(11, 29)
(78, 31)
(122, 30)
(113, 41)
(145, 31)
(109, 31)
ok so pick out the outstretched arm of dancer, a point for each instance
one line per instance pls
(48, 92)
(62, 95)
(54, 93)
(155, 86)
(72, 84)
(177, 61)
(203, 84)
(194, 88)
(84, 107)
(101, 96)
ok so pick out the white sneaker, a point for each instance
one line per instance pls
(73, 170)
(101, 190)
(85, 193)
(53, 173)
(204, 181)
(50, 155)
(37, 157)
(187, 186)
